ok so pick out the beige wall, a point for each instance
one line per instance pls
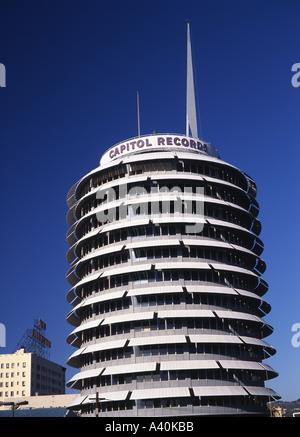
(15, 375)
(43, 401)
(27, 374)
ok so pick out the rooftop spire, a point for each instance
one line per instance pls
(191, 118)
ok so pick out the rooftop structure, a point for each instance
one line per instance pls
(34, 340)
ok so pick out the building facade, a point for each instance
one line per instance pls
(25, 374)
(166, 284)
(38, 406)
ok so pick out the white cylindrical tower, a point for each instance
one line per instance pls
(166, 284)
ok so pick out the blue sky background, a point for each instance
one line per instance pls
(73, 70)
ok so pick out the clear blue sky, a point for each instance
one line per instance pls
(73, 69)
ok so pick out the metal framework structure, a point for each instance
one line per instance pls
(34, 340)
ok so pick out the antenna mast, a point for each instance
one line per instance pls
(191, 118)
(138, 112)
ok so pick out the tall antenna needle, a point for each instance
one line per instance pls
(191, 118)
(138, 112)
